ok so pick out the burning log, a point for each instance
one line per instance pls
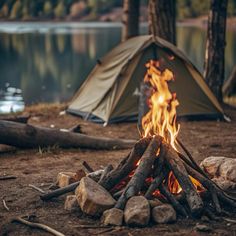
(28, 136)
(194, 201)
(126, 165)
(141, 173)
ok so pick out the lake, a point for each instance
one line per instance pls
(50, 61)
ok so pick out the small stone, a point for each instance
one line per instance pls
(164, 213)
(92, 197)
(65, 178)
(211, 164)
(227, 169)
(71, 203)
(137, 211)
(112, 216)
(202, 228)
(155, 202)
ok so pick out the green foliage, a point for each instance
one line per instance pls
(26, 9)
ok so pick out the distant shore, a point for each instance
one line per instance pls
(200, 22)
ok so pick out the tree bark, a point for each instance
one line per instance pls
(130, 19)
(28, 136)
(229, 87)
(162, 19)
(215, 47)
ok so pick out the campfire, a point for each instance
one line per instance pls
(155, 169)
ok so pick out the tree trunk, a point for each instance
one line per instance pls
(215, 47)
(162, 19)
(229, 87)
(130, 19)
(28, 136)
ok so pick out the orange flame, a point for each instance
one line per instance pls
(161, 118)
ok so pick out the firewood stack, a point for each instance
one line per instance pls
(153, 170)
(158, 165)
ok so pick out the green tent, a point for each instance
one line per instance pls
(111, 91)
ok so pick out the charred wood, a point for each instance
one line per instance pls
(141, 173)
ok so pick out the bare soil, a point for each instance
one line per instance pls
(40, 168)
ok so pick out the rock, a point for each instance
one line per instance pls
(225, 184)
(92, 197)
(112, 216)
(137, 211)
(71, 203)
(211, 165)
(155, 202)
(228, 169)
(202, 228)
(66, 178)
(164, 213)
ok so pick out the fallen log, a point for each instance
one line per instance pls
(28, 136)
(16, 118)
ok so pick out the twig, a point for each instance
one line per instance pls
(5, 177)
(37, 225)
(36, 188)
(59, 192)
(91, 226)
(229, 220)
(112, 230)
(87, 167)
(5, 205)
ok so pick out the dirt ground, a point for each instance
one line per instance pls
(40, 168)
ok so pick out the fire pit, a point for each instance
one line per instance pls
(155, 174)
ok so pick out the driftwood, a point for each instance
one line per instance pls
(126, 165)
(141, 173)
(28, 136)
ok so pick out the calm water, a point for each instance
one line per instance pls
(49, 62)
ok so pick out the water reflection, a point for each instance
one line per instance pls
(11, 100)
(49, 62)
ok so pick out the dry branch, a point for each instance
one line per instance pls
(59, 192)
(38, 226)
(6, 177)
(28, 136)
